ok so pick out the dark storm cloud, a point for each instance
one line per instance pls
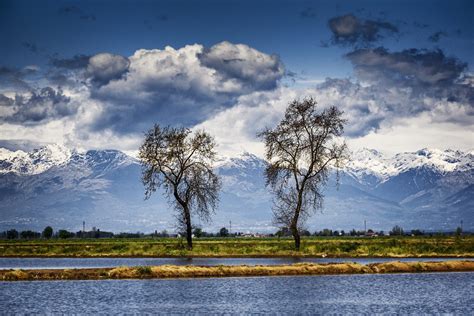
(410, 68)
(67, 71)
(39, 107)
(61, 78)
(368, 106)
(425, 73)
(6, 101)
(349, 30)
(14, 72)
(76, 62)
(104, 67)
(183, 86)
(13, 78)
(394, 85)
(253, 69)
(165, 107)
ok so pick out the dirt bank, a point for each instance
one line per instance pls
(169, 271)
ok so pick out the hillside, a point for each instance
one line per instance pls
(428, 189)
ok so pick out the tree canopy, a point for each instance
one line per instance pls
(181, 162)
(300, 151)
(48, 232)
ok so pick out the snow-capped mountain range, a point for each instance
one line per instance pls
(34, 162)
(428, 189)
(371, 162)
(54, 155)
(362, 162)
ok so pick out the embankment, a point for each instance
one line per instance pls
(168, 271)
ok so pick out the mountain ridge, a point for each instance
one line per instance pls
(363, 159)
(427, 189)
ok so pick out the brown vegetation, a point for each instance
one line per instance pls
(169, 271)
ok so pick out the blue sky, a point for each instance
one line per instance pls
(303, 50)
(292, 29)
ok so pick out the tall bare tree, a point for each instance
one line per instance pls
(300, 151)
(182, 163)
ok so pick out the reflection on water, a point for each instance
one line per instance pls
(62, 263)
(393, 293)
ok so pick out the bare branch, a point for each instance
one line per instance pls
(181, 163)
(300, 151)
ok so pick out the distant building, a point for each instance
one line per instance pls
(254, 235)
(95, 233)
(371, 233)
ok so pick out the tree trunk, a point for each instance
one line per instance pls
(294, 222)
(187, 218)
(189, 229)
(294, 228)
(296, 236)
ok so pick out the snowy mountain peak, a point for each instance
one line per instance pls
(443, 161)
(34, 162)
(371, 162)
(103, 187)
(44, 158)
(364, 162)
(243, 160)
(54, 153)
(428, 152)
(8, 154)
(366, 153)
(110, 157)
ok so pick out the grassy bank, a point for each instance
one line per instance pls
(233, 271)
(248, 247)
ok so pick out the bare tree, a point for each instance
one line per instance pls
(182, 163)
(301, 150)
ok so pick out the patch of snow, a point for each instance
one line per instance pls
(370, 162)
(34, 162)
(364, 163)
(44, 158)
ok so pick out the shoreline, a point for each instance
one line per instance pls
(448, 256)
(172, 271)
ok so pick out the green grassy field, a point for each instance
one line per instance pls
(242, 247)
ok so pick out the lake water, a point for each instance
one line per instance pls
(63, 263)
(427, 293)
